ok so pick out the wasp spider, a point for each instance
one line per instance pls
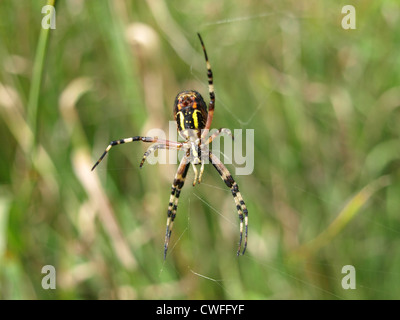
(193, 122)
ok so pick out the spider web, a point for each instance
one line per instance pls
(231, 219)
(268, 265)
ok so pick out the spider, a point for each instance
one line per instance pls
(193, 122)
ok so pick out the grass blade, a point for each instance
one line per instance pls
(37, 75)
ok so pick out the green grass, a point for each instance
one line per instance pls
(324, 193)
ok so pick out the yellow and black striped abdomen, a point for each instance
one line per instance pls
(190, 111)
(190, 118)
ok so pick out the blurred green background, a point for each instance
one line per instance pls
(323, 103)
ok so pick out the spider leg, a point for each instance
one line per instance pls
(137, 138)
(157, 146)
(217, 133)
(177, 185)
(196, 174)
(240, 205)
(201, 172)
(210, 90)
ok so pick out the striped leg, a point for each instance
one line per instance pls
(137, 138)
(157, 146)
(210, 90)
(240, 205)
(177, 185)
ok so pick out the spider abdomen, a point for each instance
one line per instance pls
(190, 111)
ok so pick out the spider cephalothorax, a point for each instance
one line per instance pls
(193, 122)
